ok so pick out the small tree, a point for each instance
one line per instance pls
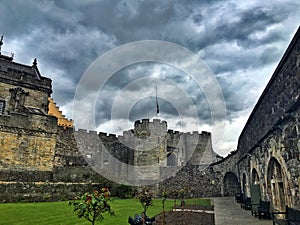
(182, 194)
(164, 198)
(145, 197)
(91, 206)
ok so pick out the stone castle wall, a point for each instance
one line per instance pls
(71, 173)
(36, 99)
(269, 146)
(198, 182)
(280, 94)
(281, 145)
(149, 143)
(27, 141)
(43, 191)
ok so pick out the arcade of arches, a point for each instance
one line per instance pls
(267, 161)
(272, 168)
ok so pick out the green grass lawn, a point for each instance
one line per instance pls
(60, 213)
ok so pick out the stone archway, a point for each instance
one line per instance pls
(276, 185)
(231, 184)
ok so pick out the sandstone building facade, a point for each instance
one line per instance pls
(27, 133)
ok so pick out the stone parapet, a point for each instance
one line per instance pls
(281, 93)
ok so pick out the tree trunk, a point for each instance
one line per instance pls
(163, 215)
(144, 216)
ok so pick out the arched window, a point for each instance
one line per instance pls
(2, 106)
(255, 178)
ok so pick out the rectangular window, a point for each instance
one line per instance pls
(2, 106)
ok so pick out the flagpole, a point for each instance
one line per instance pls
(157, 107)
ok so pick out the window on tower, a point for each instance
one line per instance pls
(2, 106)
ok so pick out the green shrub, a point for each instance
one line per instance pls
(91, 206)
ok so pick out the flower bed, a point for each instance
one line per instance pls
(183, 218)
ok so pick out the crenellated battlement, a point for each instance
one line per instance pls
(146, 135)
(102, 134)
(206, 133)
(148, 121)
(92, 133)
(127, 135)
(82, 131)
(193, 133)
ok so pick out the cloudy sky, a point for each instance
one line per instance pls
(240, 42)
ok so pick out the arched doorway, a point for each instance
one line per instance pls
(276, 185)
(231, 184)
(171, 159)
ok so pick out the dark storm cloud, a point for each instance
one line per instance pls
(250, 21)
(146, 108)
(137, 79)
(236, 100)
(54, 35)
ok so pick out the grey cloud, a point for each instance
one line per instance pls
(270, 55)
(236, 95)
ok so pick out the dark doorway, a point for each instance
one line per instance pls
(231, 184)
(276, 185)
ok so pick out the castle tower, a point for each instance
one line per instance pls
(150, 148)
(150, 141)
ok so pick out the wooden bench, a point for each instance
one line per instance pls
(263, 210)
(292, 217)
(239, 197)
(254, 209)
(246, 203)
(255, 198)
